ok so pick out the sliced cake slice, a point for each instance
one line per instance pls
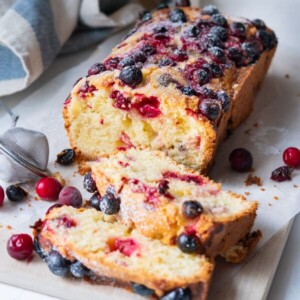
(164, 200)
(86, 243)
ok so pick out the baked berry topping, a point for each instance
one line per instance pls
(259, 24)
(241, 160)
(121, 101)
(184, 177)
(66, 222)
(238, 29)
(139, 56)
(71, 196)
(110, 204)
(2, 195)
(145, 16)
(166, 62)
(219, 32)
(131, 76)
(148, 107)
(209, 10)
(160, 29)
(162, 6)
(211, 40)
(89, 183)
(178, 294)
(202, 76)
(236, 55)
(224, 99)
(66, 157)
(95, 200)
(265, 38)
(48, 188)
(57, 264)
(126, 61)
(192, 209)
(187, 90)
(251, 49)
(125, 246)
(205, 92)
(182, 3)
(179, 55)
(163, 187)
(141, 290)
(96, 69)
(188, 243)
(78, 270)
(148, 49)
(177, 15)
(165, 79)
(86, 89)
(20, 246)
(219, 20)
(291, 157)
(112, 63)
(15, 193)
(37, 248)
(210, 108)
(282, 174)
(213, 69)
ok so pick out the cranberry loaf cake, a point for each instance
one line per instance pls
(180, 81)
(86, 244)
(146, 190)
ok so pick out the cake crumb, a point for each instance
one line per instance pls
(8, 227)
(275, 198)
(58, 177)
(247, 131)
(255, 125)
(247, 193)
(262, 189)
(270, 204)
(295, 186)
(252, 179)
(287, 76)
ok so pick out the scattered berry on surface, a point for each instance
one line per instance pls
(283, 173)
(89, 183)
(66, 157)
(71, 196)
(57, 264)
(240, 160)
(110, 204)
(15, 193)
(48, 188)
(20, 246)
(291, 157)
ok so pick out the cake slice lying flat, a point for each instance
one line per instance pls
(167, 201)
(129, 259)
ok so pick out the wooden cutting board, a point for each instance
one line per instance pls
(251, 282)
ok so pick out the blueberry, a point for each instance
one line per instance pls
(131, 75)
(126, 61)
(209, 10)
(166, 62)
(235, 54)
(219, 20)
(78, 270)
(15, 193)
(139, 56)
(110, 204)
(210, 108)
(66, 157)
(178, 294)
(188, 243)
(259, 24)
(148, 49)
(177, 15)
(224, 99)
(145, 16)
(160, 29)
(162, 6)
(89, 183)
(182, 3)
(214, 69)
(96, 69)
(202, 76)
(282, 174)
(193, 31)
(217, 52)
(206, 92)
(191, 209)
(211, 40)
(95, 200)
(187, 90)
(57, 264)
(141, 289)
(251, 49)
(238, 29)
(163, 187)
(220, 32)
(265, 38)
(240, 160)
(37, 248)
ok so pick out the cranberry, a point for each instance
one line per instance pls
(282, 174)
(291, 157)
(89, 183)
(179, 55)
(178, 294)
(96, 69)
(210, 108)
(141, 290)
(148, 107)
(177, 15)
(110, 204)
(259, 24)
(219, 20)
(70, 195)
(131, 76)
(66, 157)
(188, 243)
(182, 3)
(209, 10)
(48, 188)
(125, 246)
(192, 209)
(86, 88)
(95, 200)
(240, 160)
(15, 193)
(121, 101)
(112, 63)
(20, 246)
(2, 195)
(238, 29)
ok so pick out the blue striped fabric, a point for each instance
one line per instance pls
(38, 13)
(11, 66)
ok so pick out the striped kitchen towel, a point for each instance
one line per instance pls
(34, 32)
